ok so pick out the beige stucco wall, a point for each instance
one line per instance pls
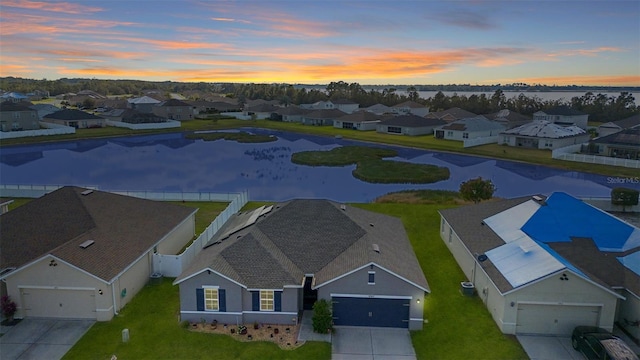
(41, 275)
(548, 291)
(176, 239)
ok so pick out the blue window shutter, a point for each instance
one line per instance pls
(277, 300)
(200, 299)
(222, 300)
(255, 300)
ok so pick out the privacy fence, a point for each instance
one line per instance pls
(163, 264)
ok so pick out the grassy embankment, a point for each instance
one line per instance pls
(371, 167)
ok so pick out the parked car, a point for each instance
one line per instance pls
(597, 343)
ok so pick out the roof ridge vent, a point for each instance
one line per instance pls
(86, 244)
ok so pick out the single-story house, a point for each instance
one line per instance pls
(271, 264)
(359, 120)
(205, 106)
(408, 125)
(344, 105)
(410, 107)
(4, 205)
(173, 109)
(623, 144)
(75, 118)
(469, 128)
(17, 117)
(261, 111)
(322, 117)
(563, 115)
(542, 134)
(84, 254)
(543, 265)
(379, 109)
(616, 126)
(292, 113)
(14, 97)
(451, 114)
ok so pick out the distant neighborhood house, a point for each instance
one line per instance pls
(542, 134)
(469, 128)
(17, 117)
(563, 115)
(75, 118)
(411, 125)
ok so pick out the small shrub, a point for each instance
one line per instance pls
(8, 307)
(322, 320)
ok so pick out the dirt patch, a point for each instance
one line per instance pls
(285, 336)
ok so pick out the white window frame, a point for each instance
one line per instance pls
(369, 277)
(211, 303)
(267, 300)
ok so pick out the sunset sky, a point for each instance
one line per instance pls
(550, 42)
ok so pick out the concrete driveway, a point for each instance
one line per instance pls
(549, 347)
(361, 343)
(41, 338)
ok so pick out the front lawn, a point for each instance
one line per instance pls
(459, 327)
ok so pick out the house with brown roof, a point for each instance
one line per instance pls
(624, 144)
(84, 254)
(17, 117)
(322, 117)
(291, 113)
(75, 118)
(271, 264)
(411, 125)
(360, 120)
(545, 264)
(508, 118)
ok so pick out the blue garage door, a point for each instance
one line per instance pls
(371, 312)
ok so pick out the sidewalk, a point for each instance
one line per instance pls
(306, 329)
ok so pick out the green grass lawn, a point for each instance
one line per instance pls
(459, 327)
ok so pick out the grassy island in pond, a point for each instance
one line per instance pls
(371, 167)
(241, 137)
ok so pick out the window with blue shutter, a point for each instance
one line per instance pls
(255, 300)
(200, 299)
(277, 300)
(222, 299)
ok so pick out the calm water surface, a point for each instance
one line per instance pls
(169, 162)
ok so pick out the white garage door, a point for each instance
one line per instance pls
(59, 303)
(554, 319)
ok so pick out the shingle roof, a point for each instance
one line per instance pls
(292, 110)
(630, 122)
(477, 123)
(454, 112)
(72, 114)
(143, 100)
(122, 227)
(263, 108)
(309, 237)
(361, 116)
(545, 129)
(174, 102)
(409, 104)
(325, 114)
(413, 121)
(623, 137)
(11, 106)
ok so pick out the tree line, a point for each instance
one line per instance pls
(600, 107)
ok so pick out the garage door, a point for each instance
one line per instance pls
(59, 303)
(554, 319)
(377, 312)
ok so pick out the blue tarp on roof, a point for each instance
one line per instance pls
(565, 217)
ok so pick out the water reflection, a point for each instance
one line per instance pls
(169, 162)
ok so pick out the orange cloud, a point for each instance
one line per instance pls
(584, 52)
(587, 80)
(15, 23)
(63, 7)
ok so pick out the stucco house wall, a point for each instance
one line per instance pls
(386, 284)
(176, 239)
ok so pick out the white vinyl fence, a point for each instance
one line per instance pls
(167, 265)
(51, 129)
(172, 265)
(480, 141)
(569, 153)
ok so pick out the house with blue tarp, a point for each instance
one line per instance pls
(545, 264)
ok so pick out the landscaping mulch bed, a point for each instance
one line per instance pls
(278, 334)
